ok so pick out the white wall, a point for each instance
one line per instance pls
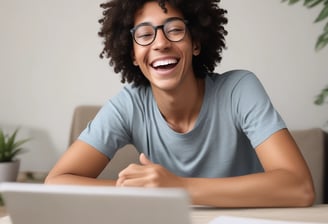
(49, 64)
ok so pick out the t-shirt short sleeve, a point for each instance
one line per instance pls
(255, 114)
(109, 130)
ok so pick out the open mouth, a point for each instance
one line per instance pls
(165, 64)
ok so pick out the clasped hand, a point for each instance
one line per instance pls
(147, 174)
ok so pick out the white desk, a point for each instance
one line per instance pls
(317, 213)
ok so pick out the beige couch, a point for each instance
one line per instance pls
(311, 142)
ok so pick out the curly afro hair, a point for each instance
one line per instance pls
(206, 22)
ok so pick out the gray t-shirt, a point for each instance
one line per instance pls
(236, 116)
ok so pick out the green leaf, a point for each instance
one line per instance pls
(2, 139)
(16, 152)
(312, 3)
(321, 97)
(325, 29)
(11, 139)
(307, 2)
(2, 143)
(322, 41)
(291, 2)
(322, 15)
(19, 143)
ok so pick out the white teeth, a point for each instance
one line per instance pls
(164, 62)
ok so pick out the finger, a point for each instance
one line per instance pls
(132, 171)
(133, 182)
(119, 182)
(144, 160)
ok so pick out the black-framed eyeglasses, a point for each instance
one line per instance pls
(174, 30)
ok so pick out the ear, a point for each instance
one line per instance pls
(133, 58)
(196, 48)
(135, 62)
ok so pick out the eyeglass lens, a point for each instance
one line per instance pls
(174, 30)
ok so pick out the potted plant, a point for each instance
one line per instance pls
(10, 147)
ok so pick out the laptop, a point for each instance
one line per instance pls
(29, 203)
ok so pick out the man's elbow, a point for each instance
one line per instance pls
(307, 195)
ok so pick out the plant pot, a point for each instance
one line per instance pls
(9, 171)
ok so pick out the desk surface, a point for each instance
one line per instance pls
(202, 215)
(317, 213)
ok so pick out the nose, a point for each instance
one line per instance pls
(161, 42)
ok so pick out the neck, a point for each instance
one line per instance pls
(181, 108)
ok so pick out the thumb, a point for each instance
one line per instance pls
(144, 160)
